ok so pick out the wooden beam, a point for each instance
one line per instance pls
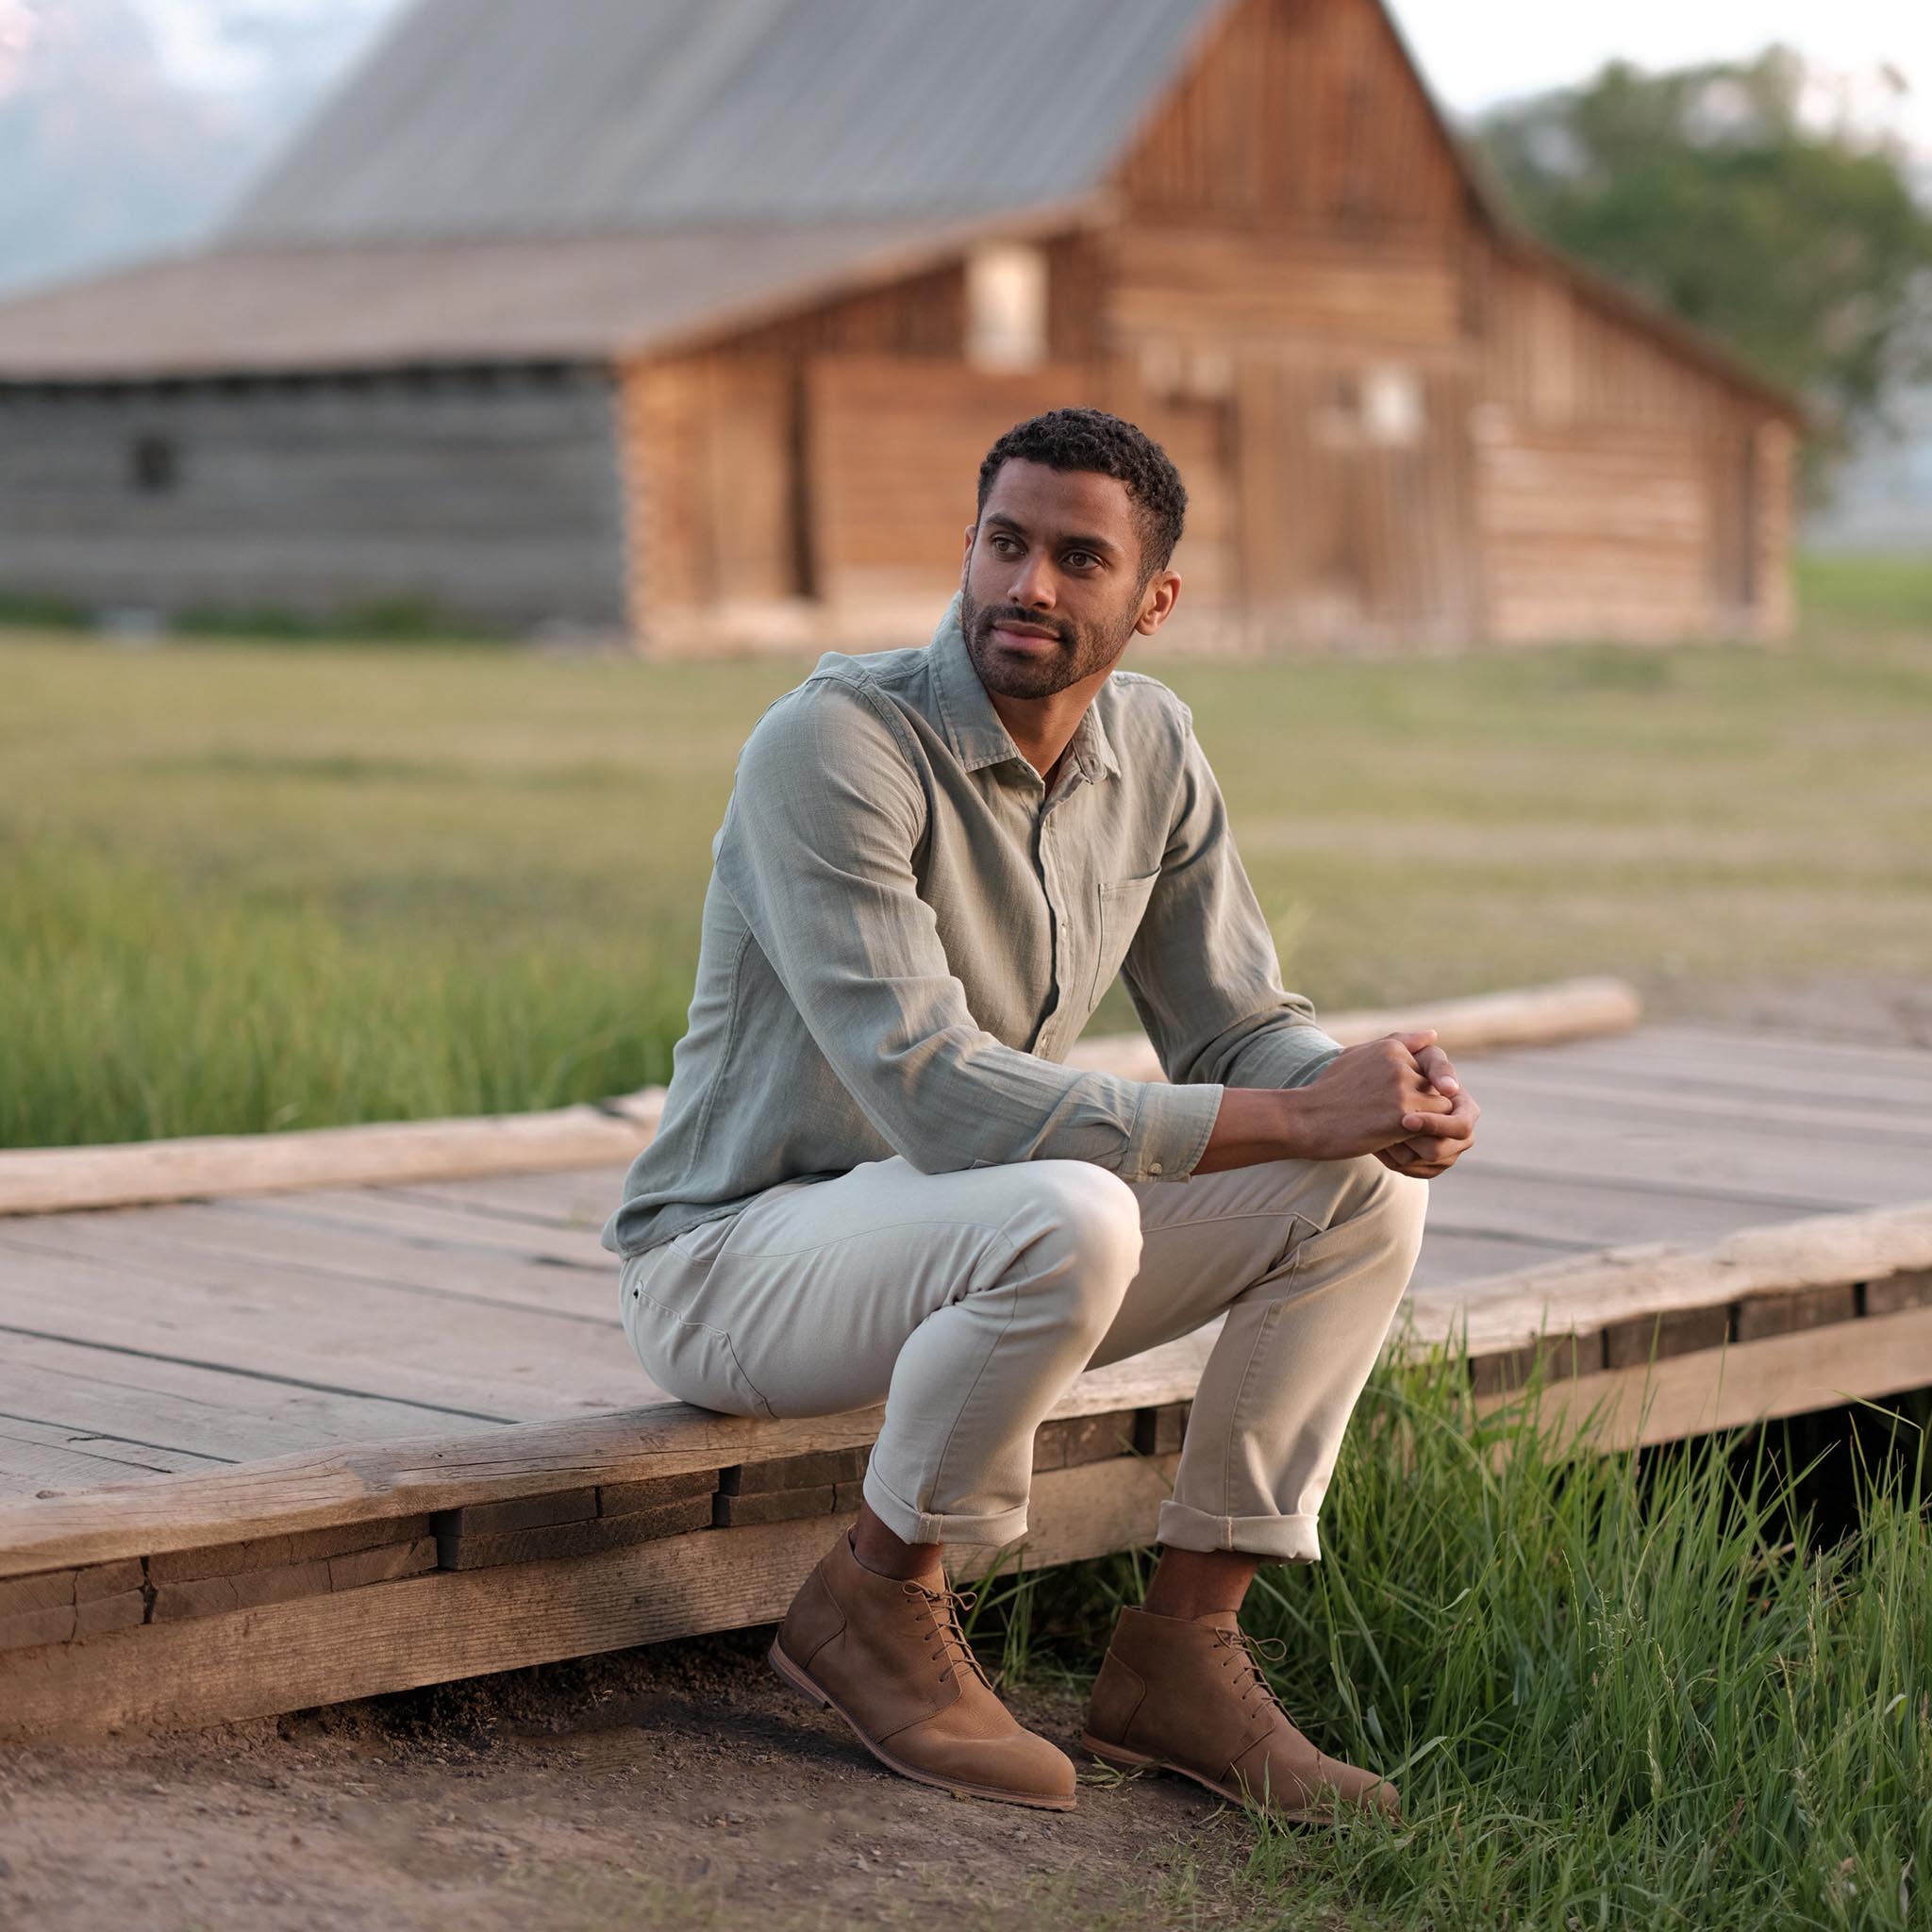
(447, 1624)
(49, 1181)
(45, 1180)
(367, 1482)
(1600, 1292)
(1747, 1382)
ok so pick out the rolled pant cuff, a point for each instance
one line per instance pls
(1275, 1539)
(913, 1525)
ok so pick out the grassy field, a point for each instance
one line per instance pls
(253, 886)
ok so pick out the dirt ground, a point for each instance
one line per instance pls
(679, 1786)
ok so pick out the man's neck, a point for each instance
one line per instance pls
(1043, 728)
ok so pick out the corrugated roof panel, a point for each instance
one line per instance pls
(479, 118)
(562, 299)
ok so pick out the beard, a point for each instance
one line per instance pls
(1082, 649)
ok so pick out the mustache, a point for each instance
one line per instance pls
(987, 622)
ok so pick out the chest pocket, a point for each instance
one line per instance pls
(1122, 904)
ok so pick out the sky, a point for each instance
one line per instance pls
(1475, 51)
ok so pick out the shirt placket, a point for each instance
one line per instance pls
(1054, 878)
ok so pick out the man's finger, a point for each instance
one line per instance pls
(1458, 1123)
(1438, 1071)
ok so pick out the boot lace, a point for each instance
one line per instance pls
(940, 1607)
(1245, 1656)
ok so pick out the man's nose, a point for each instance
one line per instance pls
(1034, 586)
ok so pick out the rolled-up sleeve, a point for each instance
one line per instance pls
(817, 851)
(1203, 972)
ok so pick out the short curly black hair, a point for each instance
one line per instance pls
(1093, 440)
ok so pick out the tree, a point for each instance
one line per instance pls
(1709, 191)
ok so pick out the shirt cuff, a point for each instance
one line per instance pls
(1170, 1130)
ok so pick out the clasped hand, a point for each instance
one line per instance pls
(1398, 1098)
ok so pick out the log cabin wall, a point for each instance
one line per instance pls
(1624, 489)
(486, 495)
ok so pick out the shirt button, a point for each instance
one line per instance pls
(1154, 1167)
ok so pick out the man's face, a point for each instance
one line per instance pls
(1052, 583)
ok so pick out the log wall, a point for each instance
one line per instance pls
(488, 497)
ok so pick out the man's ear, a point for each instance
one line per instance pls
(1158, 601)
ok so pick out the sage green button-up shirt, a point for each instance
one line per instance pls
(904, 934)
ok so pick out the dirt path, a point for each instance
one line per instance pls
(675, 1787)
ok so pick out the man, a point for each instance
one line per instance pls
(874, 1177)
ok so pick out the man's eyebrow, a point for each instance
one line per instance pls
(1075, 542)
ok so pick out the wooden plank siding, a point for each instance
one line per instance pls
(485, 494)
(893, 451)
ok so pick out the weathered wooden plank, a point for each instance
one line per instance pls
(1479, 1197)
(784, 1505)
(1748, 1382)
(378, 1211)
(62, 1589)
(297, 1251)
(1759, 1315)
(1910, 1288)
(34, 1457)
(457, 1549)
(457, 1624)
(360, 1337)
(220, 1414)
(795, 1472)
(363, 1481)
(575, 1197)
(249, 1587)
(625, 1499)
(285, 1552)
(1599, 1290)
(45, 1180)
(1687, 1110)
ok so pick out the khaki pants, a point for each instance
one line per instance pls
(970, 1300)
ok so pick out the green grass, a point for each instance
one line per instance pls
(251, 887)
(1615, 1690)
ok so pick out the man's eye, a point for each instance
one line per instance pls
(1002, 545)
(1082, 559)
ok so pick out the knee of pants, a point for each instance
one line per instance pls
(1394, 1206)
(1079, 1233)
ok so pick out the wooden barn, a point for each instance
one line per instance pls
(693, 319)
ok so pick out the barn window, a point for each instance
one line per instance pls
(1005, 306)
(154, 465)
(1391, 406)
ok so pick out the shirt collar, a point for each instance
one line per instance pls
(973, 726)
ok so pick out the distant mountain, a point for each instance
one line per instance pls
(127, 127)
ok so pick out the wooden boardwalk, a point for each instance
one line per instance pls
(425, 1387)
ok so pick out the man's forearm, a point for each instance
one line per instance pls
(1255, 1123)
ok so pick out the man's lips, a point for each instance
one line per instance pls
(1023, 637)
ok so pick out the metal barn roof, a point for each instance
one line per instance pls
(246, 311)
(492, 118)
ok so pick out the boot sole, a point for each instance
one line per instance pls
(1123, 1760)
(794, 1675)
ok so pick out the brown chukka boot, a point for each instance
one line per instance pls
(1187, 1695)
(889, 1656)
